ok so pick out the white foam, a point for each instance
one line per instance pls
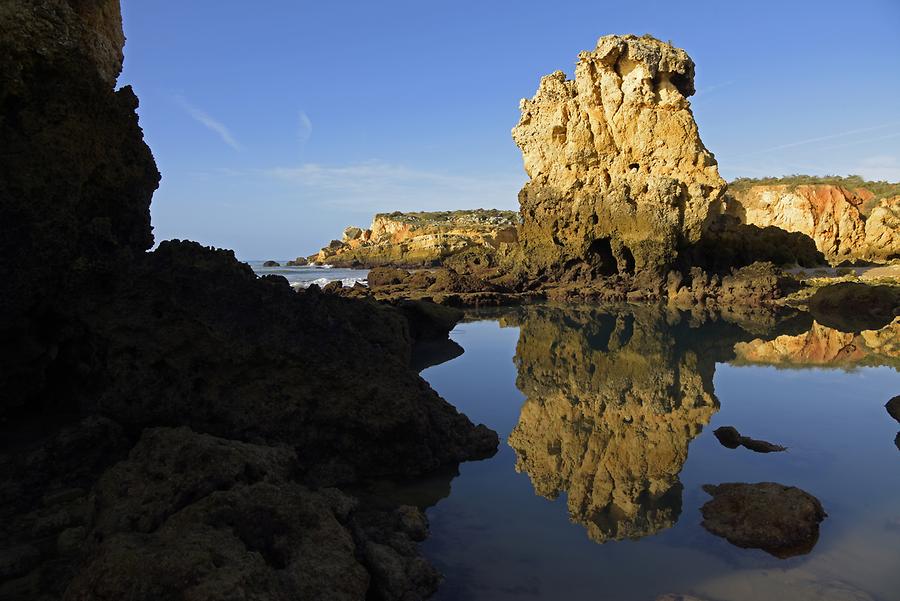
(348, 282)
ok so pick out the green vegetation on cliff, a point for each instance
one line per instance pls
(468, 216)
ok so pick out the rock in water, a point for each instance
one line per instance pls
(781, 520)
(893, 407)
(731, 438)
(271, 264)
(620, 180)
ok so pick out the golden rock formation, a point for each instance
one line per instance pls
(620, 179)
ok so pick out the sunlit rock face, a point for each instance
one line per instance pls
(612, 405)
(620, 179)
(835, 217)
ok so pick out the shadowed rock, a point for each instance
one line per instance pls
(781, 520)
(169, 419)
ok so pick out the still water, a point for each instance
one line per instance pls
(606, 420)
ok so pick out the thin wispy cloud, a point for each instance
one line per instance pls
(851, 132)
(709, 89)
(381, 186)
(867, 141)
(305, 127)
(201, 117)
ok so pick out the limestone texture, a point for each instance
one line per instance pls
(421, 239)
(833, 216)
(619, 178)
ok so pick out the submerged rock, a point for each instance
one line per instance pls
(729, 437)
(781, 520)
(619, 178)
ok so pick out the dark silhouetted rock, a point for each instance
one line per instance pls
(781, 520)
(271, 264)
(728, 436)
(731, 438)
(893, 407)
(169, 420)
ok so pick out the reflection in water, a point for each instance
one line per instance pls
(613, 401)
(822, 345)
(611, 407)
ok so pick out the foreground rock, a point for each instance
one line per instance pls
(848, 219)
(172, 423)
(729, 437)
(422, 239)
(781, 520)
(614, 155)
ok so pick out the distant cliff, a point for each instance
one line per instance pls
(847, 218)
(419, 239)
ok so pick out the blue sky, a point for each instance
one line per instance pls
(278, 123)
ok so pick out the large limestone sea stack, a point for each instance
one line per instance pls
(620, 180)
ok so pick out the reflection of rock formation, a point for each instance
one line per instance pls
(613, 402)
(825, 346)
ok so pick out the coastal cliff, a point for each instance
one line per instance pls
(848, 218)
(173, 425)
(419, 239)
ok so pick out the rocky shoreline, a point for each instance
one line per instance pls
(172, 424)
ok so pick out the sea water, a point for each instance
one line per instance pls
(303, 277)
(606, 426)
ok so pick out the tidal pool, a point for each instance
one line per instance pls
(606, 420)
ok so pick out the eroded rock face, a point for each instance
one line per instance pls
(421, 239)
(831, 215)
(620, 180)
